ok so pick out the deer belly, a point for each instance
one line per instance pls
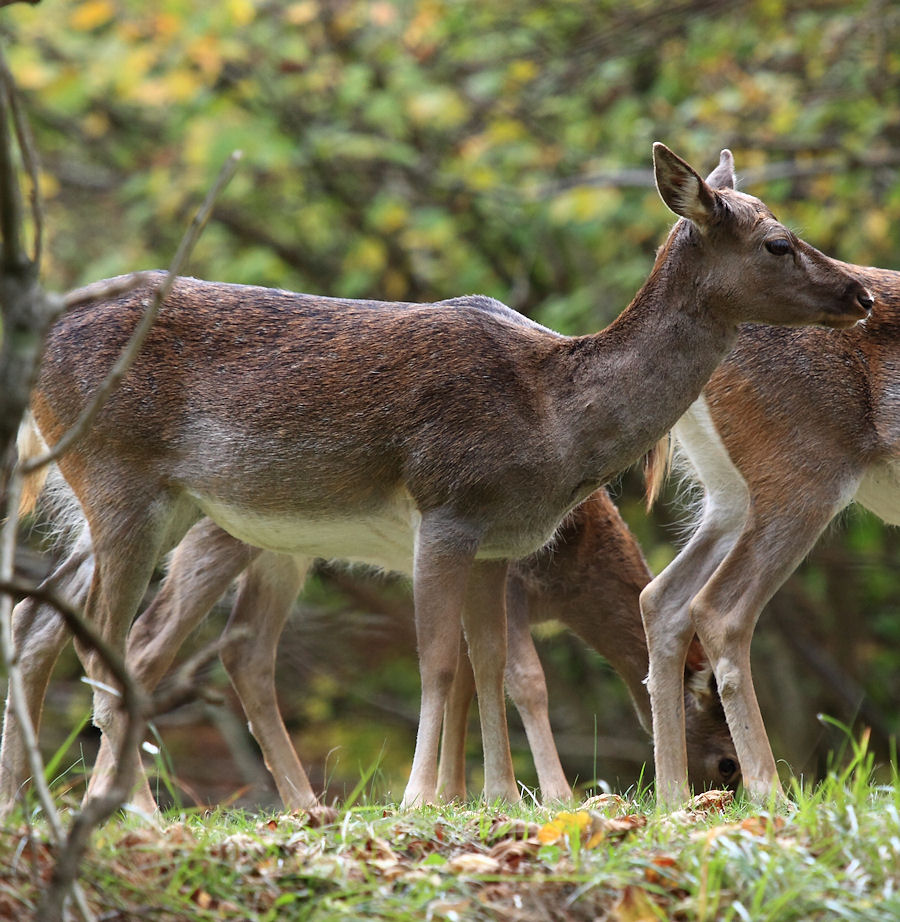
(383, 538)
(700, 442)
(879, 491)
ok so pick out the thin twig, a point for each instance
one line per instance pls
(110, 288)
(16, 689)
(10, 194)
(129, 353)
(29, 158)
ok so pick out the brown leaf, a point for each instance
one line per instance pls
(512, 852)
(634, 906)
(473, 863)
(448, 909)
(607, 802)
(711, 801)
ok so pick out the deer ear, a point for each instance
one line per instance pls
(722, 177)
(698, 674)
(681, 187)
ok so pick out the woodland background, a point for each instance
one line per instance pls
(421, 150)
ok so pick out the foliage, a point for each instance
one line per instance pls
(419, 149)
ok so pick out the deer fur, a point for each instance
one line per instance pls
(295, 421)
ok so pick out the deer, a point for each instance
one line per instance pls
(589, 579)
(293, 421)
(791, 428)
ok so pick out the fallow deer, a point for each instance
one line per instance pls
(791, 428)
(294, 421)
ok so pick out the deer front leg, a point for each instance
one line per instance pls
(725, 612)
(528, 689)
(443, 557)
(665, 610)
(485, 623)
(265, 599)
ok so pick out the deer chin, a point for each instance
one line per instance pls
(844, 323)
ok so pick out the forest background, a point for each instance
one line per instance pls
(421, 150)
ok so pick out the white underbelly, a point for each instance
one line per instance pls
(879, 491)
(383, 539)
(724, 486)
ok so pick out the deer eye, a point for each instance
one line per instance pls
(727, 768)
(779, 246)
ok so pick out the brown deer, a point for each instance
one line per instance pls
(589, 578)
(295, 421)
(791, 428)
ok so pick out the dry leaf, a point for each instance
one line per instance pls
(608, 802)
(448, 909)
(711, 801)
(634, 906)
(660, 871)
(512, 852)
(473, 863)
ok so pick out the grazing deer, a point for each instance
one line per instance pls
(296, 422)
(791, 428)
(589, 578)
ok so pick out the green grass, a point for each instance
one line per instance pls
(831, 852)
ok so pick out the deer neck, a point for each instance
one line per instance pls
(633, 380)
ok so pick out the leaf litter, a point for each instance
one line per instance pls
(607, 859)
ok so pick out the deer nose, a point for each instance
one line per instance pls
(865, 299)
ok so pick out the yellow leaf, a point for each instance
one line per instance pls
(92, 14)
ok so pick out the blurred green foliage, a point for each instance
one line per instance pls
(420, 150)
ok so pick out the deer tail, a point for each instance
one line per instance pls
(656, 467)
(30, 445)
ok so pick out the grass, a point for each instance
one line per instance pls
(831, 852)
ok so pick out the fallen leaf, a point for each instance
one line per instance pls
(634, 906)
(448, 909)
(564, 824)
(608, 802)
(512, 852)
(659, 871)
(473, 863)
(711, 801)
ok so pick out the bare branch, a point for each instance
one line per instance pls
(112, 288)
(14, 258)
(29, 158)
(128, 355)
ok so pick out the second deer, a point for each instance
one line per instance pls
(791, 428)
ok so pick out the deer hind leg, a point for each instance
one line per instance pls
(665, 610)
(444, 554)
(202, 568)
(266, 596)
(772, 544)
(484, 617)
(451, 783)
(528, 689)
(39, 635)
